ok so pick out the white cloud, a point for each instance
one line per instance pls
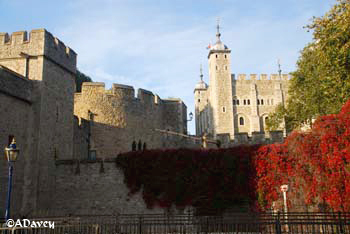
(159, 49)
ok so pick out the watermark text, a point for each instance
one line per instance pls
(26, 223)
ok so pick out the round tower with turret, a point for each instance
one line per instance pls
(220, 101)
(201, 106)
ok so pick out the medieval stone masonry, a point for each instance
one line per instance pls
(37, 73)
(59, 150)
(118, 120)
(69, 141)
(234, 108)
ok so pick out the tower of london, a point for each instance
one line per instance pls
(233, 106)
(70, 141)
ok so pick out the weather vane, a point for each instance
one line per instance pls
(218, 30)
(279, 67)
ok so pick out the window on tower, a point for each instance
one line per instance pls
(225, 56)
(258, 102)
(241, 121)
(262, 101)
(199, 100)
(248, 101)
(216, 56)
(223, 109)
(226, 68)
(244, 102)
(237, 102)
(216, 67)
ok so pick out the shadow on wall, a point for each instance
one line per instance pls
(97, 140)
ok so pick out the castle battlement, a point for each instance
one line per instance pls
(146, 96)
(39, 43)
(262, 77)
(118, 107)
(123, 92)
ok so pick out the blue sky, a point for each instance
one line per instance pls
(159, 45)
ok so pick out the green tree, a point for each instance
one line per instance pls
(79, 79)
(276, 118)
(321, 83)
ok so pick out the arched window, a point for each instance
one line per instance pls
(234, 102)
(266, 118)
(248, 101)
(237, 102)
(258, 102)
(216, 56)
(241, 121)
(244, 102)
(199, 100)
(262, 101)
(225, 56)
(223, 109)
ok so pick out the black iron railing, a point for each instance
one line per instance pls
(276, 223)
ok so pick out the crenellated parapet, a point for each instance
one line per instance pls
(262, 77)
(146, 96)
(37, 43)
(120, 118)
(124, 93)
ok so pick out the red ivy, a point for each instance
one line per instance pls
(315, 165)
(206, 179)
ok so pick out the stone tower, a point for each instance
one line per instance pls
(201, 104)
(233, 108)
(220, 89)
(47, 69)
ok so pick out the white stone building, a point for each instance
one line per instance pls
(235, 106)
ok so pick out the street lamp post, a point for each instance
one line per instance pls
(11, 153)
(190, 119)
(284, 189)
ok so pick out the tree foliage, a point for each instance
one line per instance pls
(315, 165)
(321, 83)
(79, 79)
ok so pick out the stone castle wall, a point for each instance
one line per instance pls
(94, 187)
(257, 97)
(16, 111)
(54, 172)
(116, 119)
(36, 96)
(45, 123)
(253, 100)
